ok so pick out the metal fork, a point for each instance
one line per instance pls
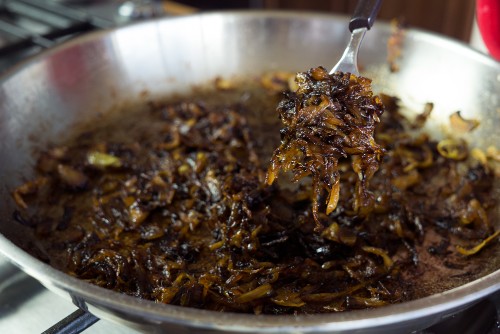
(362, 20)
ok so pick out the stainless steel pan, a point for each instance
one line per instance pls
(94, 74)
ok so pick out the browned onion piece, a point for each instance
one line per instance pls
(478, 247)
(458, 123)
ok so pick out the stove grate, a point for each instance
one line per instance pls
(28, 27)
(33, 24)
(75, 323)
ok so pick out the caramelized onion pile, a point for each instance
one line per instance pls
(329, 117)
(170, 203)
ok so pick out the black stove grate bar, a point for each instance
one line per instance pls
(13, 9)
(74, 323)
(67, 12)
(24, 35)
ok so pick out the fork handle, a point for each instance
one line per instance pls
(364, 15)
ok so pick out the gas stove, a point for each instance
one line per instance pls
(28, 27)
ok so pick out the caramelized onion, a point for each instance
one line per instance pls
(328, 118)
(170, 204)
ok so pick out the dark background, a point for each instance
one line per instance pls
(453, 18)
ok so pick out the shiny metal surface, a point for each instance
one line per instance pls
(361, 21)
(349, 60)
(42, 99)
(26, 307)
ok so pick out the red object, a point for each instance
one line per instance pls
(488, 20)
